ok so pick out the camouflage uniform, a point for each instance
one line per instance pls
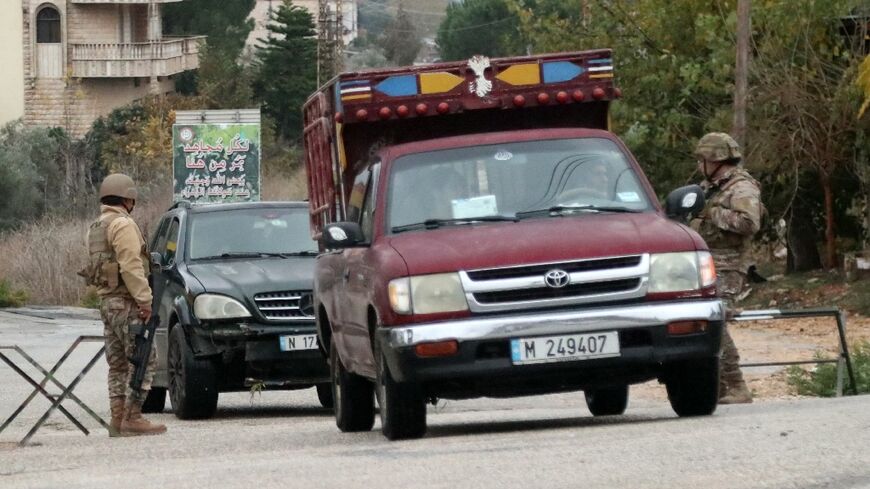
(118, 267)
(731, 216)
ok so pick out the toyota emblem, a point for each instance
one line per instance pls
(556, 279)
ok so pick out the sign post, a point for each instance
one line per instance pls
(215, 159)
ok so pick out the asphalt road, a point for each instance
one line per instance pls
(283, 439)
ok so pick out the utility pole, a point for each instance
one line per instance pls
(741, 72)
(330, 39)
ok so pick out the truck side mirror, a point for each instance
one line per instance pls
(341, 235)
(684, 201)
(156, 260)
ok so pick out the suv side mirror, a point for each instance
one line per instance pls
(156, 260)
(341, 235)
(684, 201)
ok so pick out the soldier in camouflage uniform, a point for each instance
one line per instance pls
(118, 267)
(731, 217)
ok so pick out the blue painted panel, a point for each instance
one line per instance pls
(398, 86)
(606, 61)
(354, 83)
(561, 71)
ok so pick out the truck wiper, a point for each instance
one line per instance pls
(560, 210)
(437, 223)
(294, 253)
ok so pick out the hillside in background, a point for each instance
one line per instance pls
(426, 14)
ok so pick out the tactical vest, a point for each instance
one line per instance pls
(102, 270)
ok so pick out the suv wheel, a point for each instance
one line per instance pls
(353, 397)
(324, 395)
(402, 406)
(693, 387)
(156, 400)
(608, 401)
(192, 382)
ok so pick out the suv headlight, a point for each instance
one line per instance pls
(213, 306)
(427, 294)
(677, 272)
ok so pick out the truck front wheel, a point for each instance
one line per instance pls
(607, 401)
(402, 406)
(352, 395)
(693, 387)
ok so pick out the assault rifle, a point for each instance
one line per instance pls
(143, 342)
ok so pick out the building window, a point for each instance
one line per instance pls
(48, 25)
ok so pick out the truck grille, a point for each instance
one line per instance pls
(295, 305)
(570, 267)
(595, 281)
(541, 293)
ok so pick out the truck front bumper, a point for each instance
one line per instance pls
(483, 364)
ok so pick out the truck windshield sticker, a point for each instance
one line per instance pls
(485, 205)
(628, 196)
(504, 155)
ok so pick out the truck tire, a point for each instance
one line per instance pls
(693, 387)
(324, 395)
(193, 389)
(353, 396)
(402, 406)
(608, 401)
(156, 400)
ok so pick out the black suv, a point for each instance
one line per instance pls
(232, 285)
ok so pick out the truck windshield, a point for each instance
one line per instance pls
(250, 233)
(522, 179)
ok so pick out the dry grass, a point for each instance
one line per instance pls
(42, 258)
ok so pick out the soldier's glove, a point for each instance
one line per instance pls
(145, 312)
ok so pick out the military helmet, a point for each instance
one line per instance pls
(718, 146)
(118, 185)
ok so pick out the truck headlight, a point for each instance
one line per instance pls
(213, 306)
(677, 272)
(427, 294)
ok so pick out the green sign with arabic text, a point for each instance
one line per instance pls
(215, 163)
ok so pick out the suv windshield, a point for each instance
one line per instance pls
(512, 180)
(250, 232)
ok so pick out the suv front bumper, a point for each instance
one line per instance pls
(483, 365)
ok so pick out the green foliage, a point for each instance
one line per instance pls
(487, 27)
(401, 42)
(11, 297)
(286, 68)
(90, 299)
(822, 381)
(28, 173)
(221, 80)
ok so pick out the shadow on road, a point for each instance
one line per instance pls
(495, 427)
(271, 412)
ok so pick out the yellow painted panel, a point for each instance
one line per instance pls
(342, 157)
(602, 75)
(528, 74)
(438, 82)
(355, 97)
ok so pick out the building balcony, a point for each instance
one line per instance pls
(166, 57)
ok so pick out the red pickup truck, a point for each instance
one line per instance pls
(482, 233)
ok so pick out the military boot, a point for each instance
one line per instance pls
(133, 424)
(117, 405)
(736, 393)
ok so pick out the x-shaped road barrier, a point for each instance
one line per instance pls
(49, 375)
(843, 360)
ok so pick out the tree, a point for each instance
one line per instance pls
(286, 68)
(401, 42)
(487, 27)
(222, 79)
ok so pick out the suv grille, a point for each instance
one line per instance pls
(295, 305)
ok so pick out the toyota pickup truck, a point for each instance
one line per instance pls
(483, 233)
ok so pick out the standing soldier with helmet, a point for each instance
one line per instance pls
(731, 216)
(118, 267)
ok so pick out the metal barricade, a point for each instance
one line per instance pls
(843, 360)
(49, 375)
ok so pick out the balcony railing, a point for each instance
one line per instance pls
(114, 2)
(138, 59)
